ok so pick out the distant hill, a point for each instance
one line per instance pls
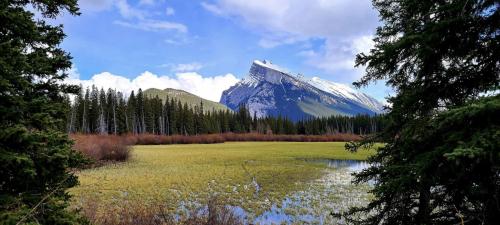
(269, 90)
(184, 96)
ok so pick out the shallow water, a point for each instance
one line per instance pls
(333, 193)
(351, 165)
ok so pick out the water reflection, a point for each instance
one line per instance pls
(351, 165)
(332, 193)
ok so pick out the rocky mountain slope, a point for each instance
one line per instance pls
(271, 90)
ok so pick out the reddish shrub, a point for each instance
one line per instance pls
(151, 139)
(290, 138)
(102, 147)
(116, 148)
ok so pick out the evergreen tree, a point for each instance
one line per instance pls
(173, 116)
(100, 112)
(94, 110)
(141, 117)
(440, 163)
(85, 113)
(79, 110)
(70, 116)
(122, 115)
(180, 118)
(111, 111)
(132, 114)
(103, 113)
(35, 158)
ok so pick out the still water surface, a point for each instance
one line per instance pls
(334, 192)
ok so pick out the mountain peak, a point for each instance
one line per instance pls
(265, 71)
(268, 64)
(270, 90)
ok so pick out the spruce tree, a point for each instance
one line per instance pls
(132, 114)
(85, 113)
(35, 157)
(121, 114)
(94, 110)
(440, 162)
(78, 105)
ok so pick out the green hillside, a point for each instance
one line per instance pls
(184, 96)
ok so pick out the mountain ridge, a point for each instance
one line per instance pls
(185, 97)
(269, 90)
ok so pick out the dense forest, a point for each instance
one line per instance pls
(110, 112)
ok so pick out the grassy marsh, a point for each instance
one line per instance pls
(253, 175)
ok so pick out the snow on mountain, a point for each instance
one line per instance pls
(347, 92)
(270, 90)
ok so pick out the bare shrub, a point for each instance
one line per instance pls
(214, 213)
(151, 139)
(102, 147)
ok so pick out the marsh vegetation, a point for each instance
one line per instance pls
(258, 182)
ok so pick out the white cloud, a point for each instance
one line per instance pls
(73, 73)
(363, 44)
(169, 11)
(307, 53)
(344, 26)
(313, 18)
(210, 88)
(135, 17)
(176, 41)
(180, 39)
(128, 11)
(153, 25)
(187, 67)
(212, 8)
(340, 55)
(275, 40)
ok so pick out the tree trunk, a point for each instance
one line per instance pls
(424, 203)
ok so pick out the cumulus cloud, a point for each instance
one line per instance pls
(342, 25)
(73, 73)
(339, 56)
(210, 88)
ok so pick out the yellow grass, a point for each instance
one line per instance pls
(189, 174)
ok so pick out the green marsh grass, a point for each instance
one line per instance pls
(253, 175)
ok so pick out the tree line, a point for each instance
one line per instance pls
(96, 111)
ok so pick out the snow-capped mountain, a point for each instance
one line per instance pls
(270, 90)
(348, 93)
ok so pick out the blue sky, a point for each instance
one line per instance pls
(205, 46)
